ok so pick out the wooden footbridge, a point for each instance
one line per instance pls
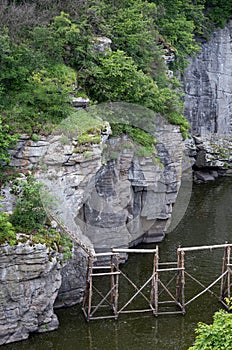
(109, 304)
(174, 288)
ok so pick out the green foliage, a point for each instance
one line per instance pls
(178, 119)
(29, 214)
(133, 30)
(7, 231)
(82, 126)
(115, 77)
(139, 136)
(178, 21)
(35, 88)
(6, 142)
(40, 59)
(29, 217)
(215, 336)
(218, 11)
(54, 240)
(89, 138)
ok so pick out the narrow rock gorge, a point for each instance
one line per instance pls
(117, 201)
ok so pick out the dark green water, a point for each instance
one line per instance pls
(207, 221)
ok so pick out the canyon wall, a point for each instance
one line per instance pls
(208, 104)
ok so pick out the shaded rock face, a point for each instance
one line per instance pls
(208, 86)
(208, 105)
(132, 197)
(119, 204)
(73, 280)
(30, 279)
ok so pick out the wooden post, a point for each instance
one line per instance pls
(152, 295)
(90, 272)
(112, 281)
(178, 279)
(156, 281)
(116, 288)
(222, 288)
(228, 270)
(182, 281)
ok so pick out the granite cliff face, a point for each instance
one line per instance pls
(30, 279)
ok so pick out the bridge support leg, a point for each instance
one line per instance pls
(183, 281)
(154, 299)
(225, 290)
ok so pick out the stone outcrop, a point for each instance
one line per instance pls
(208, 86)
(30, 279)
(107, 201)
(208, 105)
(126, 200)
(73, 276)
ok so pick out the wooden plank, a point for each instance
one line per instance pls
(171, 269)
(136, 311)
(168, 263)
(139, 251)
(100, 317)
(101, 302)
(203, 247)
(101, 267)
(134, 285)
(105, 254)
(167, 302)
(105, 274)
(170, 312)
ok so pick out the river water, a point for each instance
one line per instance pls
(208, 221)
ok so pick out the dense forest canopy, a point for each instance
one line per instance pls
(47, 56)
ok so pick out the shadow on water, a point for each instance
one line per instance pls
(207, 221)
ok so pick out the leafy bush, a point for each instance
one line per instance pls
(7, 231)
(29, 214)
(215, 336)
(29, 217)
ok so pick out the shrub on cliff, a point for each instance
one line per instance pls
(7, 231)
(6, 141)
(29, 214)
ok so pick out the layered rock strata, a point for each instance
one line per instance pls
(105, 202)
(208, 86)
(30, 280)
(208, 105)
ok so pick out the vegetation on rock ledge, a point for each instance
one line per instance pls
(48, 55)
(30, 220)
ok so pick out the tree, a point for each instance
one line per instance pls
(216, 336)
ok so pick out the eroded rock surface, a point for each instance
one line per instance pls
(208, 86)
(30, 280)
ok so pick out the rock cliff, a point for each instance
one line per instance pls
(208, 85)
(117, 201)
(208, 105)
(30, 279)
